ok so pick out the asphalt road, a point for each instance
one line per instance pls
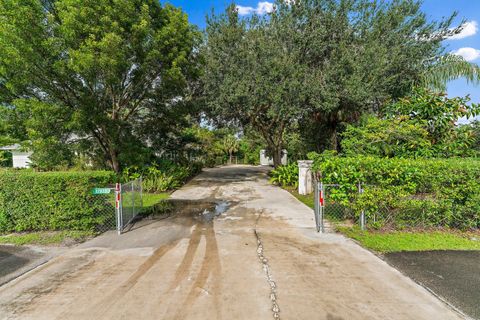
(453, 275)
(255, 256)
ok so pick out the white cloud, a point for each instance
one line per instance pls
(262, 8)
(469, 29)
(243, 11)
(468, 53)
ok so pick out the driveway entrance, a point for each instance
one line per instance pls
(260, 258)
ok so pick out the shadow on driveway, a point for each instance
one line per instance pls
(16, 260)
(10, 260)
(453, 275)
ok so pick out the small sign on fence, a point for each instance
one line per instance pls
(101, 190)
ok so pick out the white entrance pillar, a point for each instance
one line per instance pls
(305, 177)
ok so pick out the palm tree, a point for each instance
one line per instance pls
(230, 145)
(447, 68)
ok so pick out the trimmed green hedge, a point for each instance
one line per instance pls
(32, 201)
(410, 192)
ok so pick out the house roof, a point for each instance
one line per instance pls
(11, 147)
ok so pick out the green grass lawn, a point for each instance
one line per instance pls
(150, 199)
(308, 199)
(395, 241)
(46, 237)
(413, 241)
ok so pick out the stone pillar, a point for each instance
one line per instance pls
(264, 160)
(305, 185)
(284, 157)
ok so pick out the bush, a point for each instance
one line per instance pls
(286, 176)
(6, 159)
(405, 192)
(32, 201)
(401, 138)
(162, 176)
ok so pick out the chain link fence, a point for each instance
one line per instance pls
(101, 205)
(129, 202)
(332, 202)
(380, 208)
(394, 209)
(226, 161)
(115, 207)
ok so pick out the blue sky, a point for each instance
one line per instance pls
(468, 44)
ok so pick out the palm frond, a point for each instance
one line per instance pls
(450, 67)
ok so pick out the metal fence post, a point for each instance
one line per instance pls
(141, 193)
(316, 206)
(362, 214)
(133, 199)
(118, 206)
(322, 207)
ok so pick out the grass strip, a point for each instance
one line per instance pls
(396, 241)
(46, 237)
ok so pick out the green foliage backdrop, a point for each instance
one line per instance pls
(31, 201)
(413, 192)
(96, 71)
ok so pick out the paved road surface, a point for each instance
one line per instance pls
(454, 275)
(261, 259)
(17, 260)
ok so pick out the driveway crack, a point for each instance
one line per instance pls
(267, 270)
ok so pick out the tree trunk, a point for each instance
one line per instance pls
(334, 140)
(230, 157)
(110, 152)
(277, 156)
(114, 161)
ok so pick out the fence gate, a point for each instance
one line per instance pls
(128, 202)
(330, 204)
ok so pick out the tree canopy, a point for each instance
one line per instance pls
(95, 71)
(250, 79)
(423, 124)
(317, 64)
(122, 82)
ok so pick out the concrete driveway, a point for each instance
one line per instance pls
(17, 260)
(261, 259)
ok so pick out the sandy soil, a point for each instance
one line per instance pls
(261, 259)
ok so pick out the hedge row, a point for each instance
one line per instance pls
(53, 200)
(406, 192)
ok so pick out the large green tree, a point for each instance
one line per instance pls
(316, 65)
(252, 77)
(95, 70)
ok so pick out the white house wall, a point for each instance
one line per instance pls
(21, 159)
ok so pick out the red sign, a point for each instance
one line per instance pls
(321, 199)
(117, 200)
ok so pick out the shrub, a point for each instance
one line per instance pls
(286, 176)
(405, 192)
(162, 176)
(398, 137)
(31, 201)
